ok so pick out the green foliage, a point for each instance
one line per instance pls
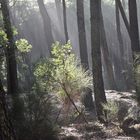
(15, 32)
(3, 37)
(44, 71)
(37, 122)
(24, 64)
(23, 46)
(62, 73)
(112, 109)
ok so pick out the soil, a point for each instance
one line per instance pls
(93, 130)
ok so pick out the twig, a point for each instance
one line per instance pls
(64, 88)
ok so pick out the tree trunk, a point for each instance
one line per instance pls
(47, 24)
(134, 30)
(135, 45)
(6, 128)
(17, 106)
(12, 80)
(106, 56)
(86, 96)
(119, 34)
(99, 92)
(65, 21)
(123, 16)
(82, 34)
(121, 79)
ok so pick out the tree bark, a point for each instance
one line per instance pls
(6, 128)
(99, 92)
(85, 96)
(47, 24)
(82, 34)
(119, 34)
(10, 50)
(135, 45)
(134, 30)
(65, 21)
(124, 16)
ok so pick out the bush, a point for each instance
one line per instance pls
(62, 76)
(37, 123)
(63, 73)
(112, 109)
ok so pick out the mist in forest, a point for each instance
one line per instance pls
(69, 69)
(27, 19)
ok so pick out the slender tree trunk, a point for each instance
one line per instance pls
(135, 45)
(121, 63)
(10, 50)
(86, 96)
(134, 30)
(82, 34)
(106, 56)
(99, 92)
(47, 24)
(123, 16)
(65, 20)
(124, 4)
(119, 34)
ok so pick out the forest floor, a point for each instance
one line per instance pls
(93, 130)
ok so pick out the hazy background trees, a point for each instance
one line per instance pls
(34, 31)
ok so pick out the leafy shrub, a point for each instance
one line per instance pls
(62, 74)
(23, 45)
(38, 122)
(3, 38)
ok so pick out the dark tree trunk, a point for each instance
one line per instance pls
(47, 24)
(134, 30)
(106, 56)
(82, 34)
(17, 112)
(99, 92)
(135, 45)
(86, 95)
(6, 128)
(121, 64)
(119, 34)
(10, 51)
(128, 78)
(123, 16)
(65, 20)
